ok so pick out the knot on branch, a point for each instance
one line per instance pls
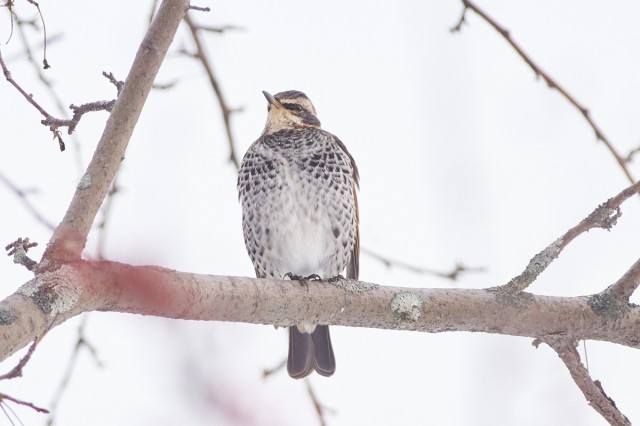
(18, 249)
(604, 216)
(406, 306)
(606, 305)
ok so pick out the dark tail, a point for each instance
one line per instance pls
(308, 352)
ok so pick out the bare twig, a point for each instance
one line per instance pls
(453, 275)
(60, 105)
(468, 5)
(632, 153)
(200, 8)
(78, 112)
(220, 29)
(6, 397)
(18, 249)
(319, 408)
(604, 216)
(17, 370)
(81, 343)
(269, 371)
(45, 64)
(52, 122)
(29, 98)
(22, 195)
(119, 84)
(226, 111)
(592, 390)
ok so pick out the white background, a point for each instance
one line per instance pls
(463, 154)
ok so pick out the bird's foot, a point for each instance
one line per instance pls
(336, 279)
(294, 277)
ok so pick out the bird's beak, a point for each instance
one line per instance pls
(272, 101)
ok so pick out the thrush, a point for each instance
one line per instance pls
(297, 187)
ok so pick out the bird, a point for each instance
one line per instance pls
(297, 186)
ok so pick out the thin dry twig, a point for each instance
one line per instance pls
(604, 216)
(52, 122)
(632, 153)
(18, 249)
(6, 397)
(81, 342)
(17, 372)
(226, 111)
(200, 8)
(29, 98)
(318, 407)
(551, 83)
(269, 371)
(453, 275)
(221, 29)
(592, 390)
(22, 196)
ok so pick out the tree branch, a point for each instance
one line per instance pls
(622, 289)
(70, 236)
(53, 297)
(551, 83)
(201, 55)
(592, 390)
(604, 216)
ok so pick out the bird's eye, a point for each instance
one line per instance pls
(293, 107)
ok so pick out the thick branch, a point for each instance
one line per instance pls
(53, 297)
(70, 237)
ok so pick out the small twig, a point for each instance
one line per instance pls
(81, 342)
(17, 370)
(60, 105)
(25, 201)
(604, 216)
(18, 249)
(221, 29)
(632, 153)
(320, 409)
(226, 111)
(78, 112)
(463, 20)
(119, 84)
(592, 390)
(45, 64)
(551, 83)
(4, 397)
(199, 8)
(453, 275)
(51, 121)
(165, 86)
(268, 372)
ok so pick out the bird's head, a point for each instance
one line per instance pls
(289, 110)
